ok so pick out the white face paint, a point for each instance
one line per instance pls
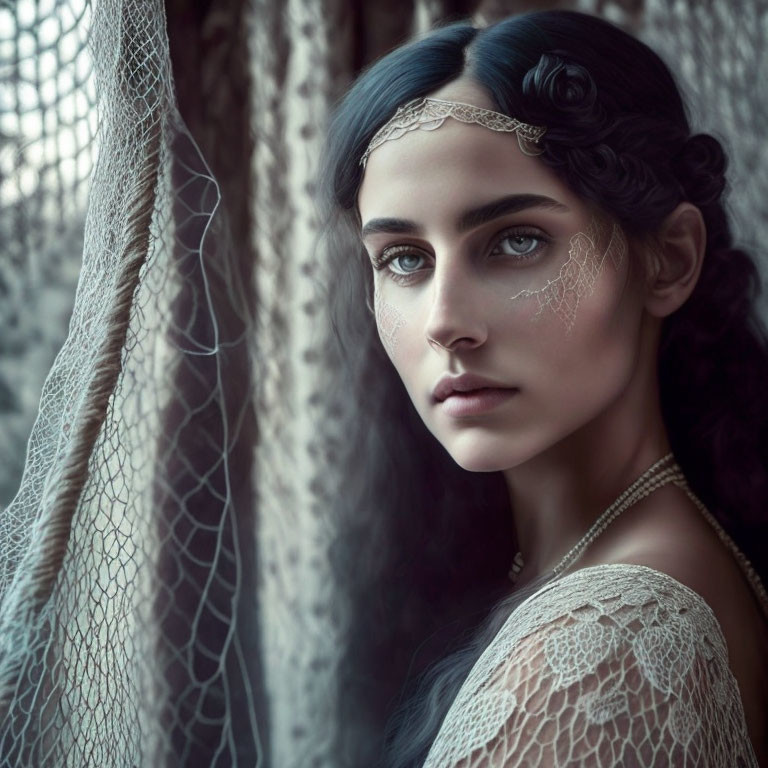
(587, 255)
(389, 320)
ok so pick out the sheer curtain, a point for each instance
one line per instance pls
(166, 596)
(127, 555)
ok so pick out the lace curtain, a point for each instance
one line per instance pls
(166, 596)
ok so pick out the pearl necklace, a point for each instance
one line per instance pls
(653, 477)
(746, 566)
(666, 470)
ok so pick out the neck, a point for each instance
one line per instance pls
(558, 494)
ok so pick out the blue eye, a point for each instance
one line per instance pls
(403, 263)
(519, 245)
(406, 255)
(396, 254)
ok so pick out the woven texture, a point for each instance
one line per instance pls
(611, 665)
(123, 555)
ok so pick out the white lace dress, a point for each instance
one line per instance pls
(611, 665)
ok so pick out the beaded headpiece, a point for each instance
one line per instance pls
(428, 114)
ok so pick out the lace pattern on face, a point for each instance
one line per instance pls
(389, 320)
(610, 665)
(578, 276)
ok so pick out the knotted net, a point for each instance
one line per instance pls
(124, 554)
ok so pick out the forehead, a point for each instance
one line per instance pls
(442, 171)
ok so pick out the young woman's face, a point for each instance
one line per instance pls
(485, 262)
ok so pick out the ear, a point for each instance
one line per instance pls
(677, 259)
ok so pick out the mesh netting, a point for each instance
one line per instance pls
(718, 53)
(47, 126)
(614, 665)
(123, 555)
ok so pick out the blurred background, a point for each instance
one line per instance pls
(170, 432)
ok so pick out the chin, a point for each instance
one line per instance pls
(482, 455)
(481, 464)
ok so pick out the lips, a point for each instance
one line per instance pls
(476, 401)
(465, 382)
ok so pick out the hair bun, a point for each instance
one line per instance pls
(700, 169)
(558, 85)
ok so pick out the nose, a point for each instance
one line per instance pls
(457, 311)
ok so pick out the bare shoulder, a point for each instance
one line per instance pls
(668, 533)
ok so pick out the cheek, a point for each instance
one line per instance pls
(580, 350)
(601, 247)
(585, 369)
(389, 321)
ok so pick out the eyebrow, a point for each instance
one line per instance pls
(471, 218)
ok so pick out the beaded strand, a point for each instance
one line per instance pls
(656, 476)
(639, 489)
(744, 563)
(644, 486)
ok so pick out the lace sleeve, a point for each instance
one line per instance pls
(611, 665)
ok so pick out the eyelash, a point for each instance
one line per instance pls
(383, 259)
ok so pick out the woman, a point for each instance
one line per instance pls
(541, 230)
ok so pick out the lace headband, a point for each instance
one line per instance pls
(428, 114)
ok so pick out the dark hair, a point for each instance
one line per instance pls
(618, 135)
